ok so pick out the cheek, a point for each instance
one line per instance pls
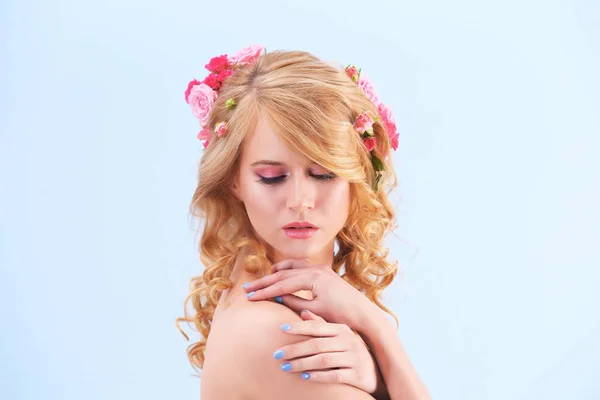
(259, 201)
(338, 203)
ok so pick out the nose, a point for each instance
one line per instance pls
(301, 195)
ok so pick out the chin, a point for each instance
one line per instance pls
(300, 249)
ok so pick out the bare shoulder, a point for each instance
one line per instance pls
(248, 335)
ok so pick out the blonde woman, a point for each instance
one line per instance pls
(296, 164)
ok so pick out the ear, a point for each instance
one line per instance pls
(235, 189)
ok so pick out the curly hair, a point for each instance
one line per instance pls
(312, 106)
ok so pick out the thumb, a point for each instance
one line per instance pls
(307, 315)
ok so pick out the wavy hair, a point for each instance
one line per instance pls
(312, 106)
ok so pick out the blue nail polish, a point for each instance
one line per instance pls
(286, 366)
(278, 355)
(279, 299)
(285, 327)
(249, 295)
(245, 285)
(305, 376)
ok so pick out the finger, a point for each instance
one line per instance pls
(287, 286)
(308, 315)
(294, 302)
(310, 347)
(314, 328)
(342, 375)
(320, 361)
(291, 263)
(268, 280)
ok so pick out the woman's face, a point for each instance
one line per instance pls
(281, 189)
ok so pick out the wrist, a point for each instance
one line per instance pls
(371, 322)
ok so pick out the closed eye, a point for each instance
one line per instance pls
(278, 179)
(271, 181)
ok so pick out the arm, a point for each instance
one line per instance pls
(401, 379)
(261, 375)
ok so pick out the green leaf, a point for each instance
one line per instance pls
(378, 181)
(377, 164)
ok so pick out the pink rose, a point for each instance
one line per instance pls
(368, 89)
(394, 140)
(352, 72)
(370, 143)
(212, 81)
(387, 118)
(204, 134)
(189, 89)
(364, 122)
(221, 128)
(247, 55)
(218, 64)
(201, 99)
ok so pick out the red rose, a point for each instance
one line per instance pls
(224, 74)
(217, 64)
(370, 143)
(212, 81)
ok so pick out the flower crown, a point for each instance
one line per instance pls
(201, 97)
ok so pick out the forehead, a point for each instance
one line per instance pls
(265, 144)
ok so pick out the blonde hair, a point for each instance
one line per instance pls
(312, 106)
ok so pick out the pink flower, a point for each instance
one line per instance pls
(212, 81)
(204, 134)
(389, 122)
(221, 128)
(352, 72)
(189, 88)
(202, 99)
(370, 143)
(247, 55)
(364, 122)
(218, 64)
(369, 90)
(394, 140)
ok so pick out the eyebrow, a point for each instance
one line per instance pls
(267, 162)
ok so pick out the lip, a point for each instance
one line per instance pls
(299, 224)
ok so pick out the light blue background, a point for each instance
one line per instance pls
(498, 107)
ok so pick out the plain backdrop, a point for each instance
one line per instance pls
(498, 107)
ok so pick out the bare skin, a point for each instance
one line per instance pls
(239, 355)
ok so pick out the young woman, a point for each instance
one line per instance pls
(292, 191)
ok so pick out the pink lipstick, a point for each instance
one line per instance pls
(300, 230)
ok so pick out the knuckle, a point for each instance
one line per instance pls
(318, 345)
(339, 377)
(326, 360)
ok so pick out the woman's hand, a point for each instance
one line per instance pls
(333, 298)
(335, 354)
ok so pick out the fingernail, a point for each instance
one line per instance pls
(278, 355)
(303, 311)
(286, 366)
(305, 376)
(245, 285)
(249, 295)
(285, 327)
(279, 299)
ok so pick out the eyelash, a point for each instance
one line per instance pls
(279, 179)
